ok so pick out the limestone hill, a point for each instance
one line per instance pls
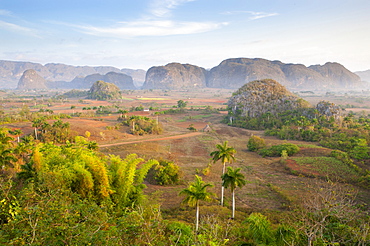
(264, 96)
(101, 90)
(175, 76)
(31, 80)
(234, 73)
(59, 75)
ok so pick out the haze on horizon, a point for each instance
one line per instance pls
(145, 33)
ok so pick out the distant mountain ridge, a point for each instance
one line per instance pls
(231, 73)
(235, 72)
(364, 75)
(123, 81)
(12, 71)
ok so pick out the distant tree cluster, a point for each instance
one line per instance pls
(141, 125)
(75, 93)
(58, 131)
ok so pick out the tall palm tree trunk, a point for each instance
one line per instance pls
(233, 205)
(197, 217)
(222, 187)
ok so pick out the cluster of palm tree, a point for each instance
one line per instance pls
(197, 190)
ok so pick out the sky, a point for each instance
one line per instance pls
(139, 34)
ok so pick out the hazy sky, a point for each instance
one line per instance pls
(141, 34)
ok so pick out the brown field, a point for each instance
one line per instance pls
(270, 186)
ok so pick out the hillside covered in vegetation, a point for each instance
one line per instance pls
(264, 96)
(102, 91)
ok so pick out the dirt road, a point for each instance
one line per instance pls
(192, 134)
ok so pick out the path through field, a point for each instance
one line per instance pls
(192, 134)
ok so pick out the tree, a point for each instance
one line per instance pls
(196, 192)
(6, 148)
(6, 156)
(225, 154)
(127, 179)
(233, 178)
(167, 172)
(259, 229)
(16, 133)
(181, 104)
(361, 150)
(256, 143)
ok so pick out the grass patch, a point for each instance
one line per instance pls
(152, 99)
(310, 146)
(324, 166)
(206, 138)
(194, 117)
(127, 98)
(199, 116)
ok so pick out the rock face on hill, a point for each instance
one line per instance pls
(328, 109)
(231, 74)
(123, 81)
(175, 76)
(234, 73)
(30, 80)
(262, 96)
(337, 75)
(101, 90)
(58, 75)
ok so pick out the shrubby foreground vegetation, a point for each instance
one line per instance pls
(59, 189)
(71, 194)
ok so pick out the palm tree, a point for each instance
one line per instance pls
(225, 154)
(6, 156)
(196, 192)
(233, 179)
(6, 148)
(16, 133)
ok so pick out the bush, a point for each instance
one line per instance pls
(166, 173)
(192, 128)
(180, 233)
(276, 150)
(256, 143)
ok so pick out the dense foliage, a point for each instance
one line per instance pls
(256, 143)
(75, 93)
(166, 173)
(141, 125)
(277, 150)
(57, 131)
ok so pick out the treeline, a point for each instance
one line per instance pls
(346, 133)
